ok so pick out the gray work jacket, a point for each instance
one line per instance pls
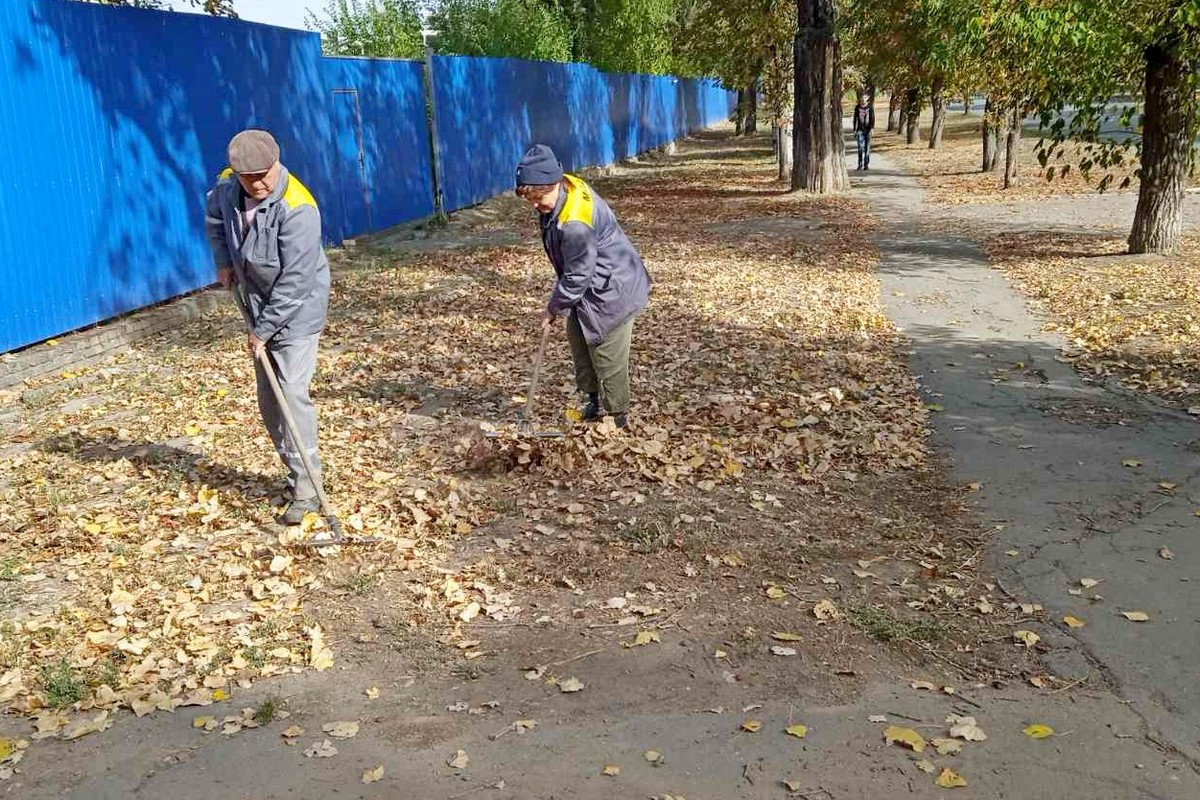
(279, 260)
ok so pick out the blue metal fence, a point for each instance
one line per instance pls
(113, 124)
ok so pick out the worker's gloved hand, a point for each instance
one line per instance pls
(547, 319)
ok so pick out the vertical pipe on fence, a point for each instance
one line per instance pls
(439, 199)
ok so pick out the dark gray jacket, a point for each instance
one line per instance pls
(601, 277)
(280, 262)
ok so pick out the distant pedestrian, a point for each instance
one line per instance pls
(265, 233)
(864, 123)
(602, 282)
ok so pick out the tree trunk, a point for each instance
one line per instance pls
(894, 104)
(967, 104)
(1167, 135)
(739, 123)
(819, 164)
(751, 109)
(912, 116)
(991, 136)
(1011, 153)
(939, 113)
(785, 154)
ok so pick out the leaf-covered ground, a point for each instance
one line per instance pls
(953, 176)
(776, 478)
(1136, 318)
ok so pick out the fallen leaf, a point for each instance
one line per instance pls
(925, 765)
(459, 760)
(949, 779)
(924, 685)
(787, 637)
(341, 730)
(470, 612)
(779, 650)
(775, 593)
(1136, 616)
(1012, 553)
(1038, 731)
(292, 732)
(320, 657)
(877, 718)
(720, 654)
(799, 731)
(984, 606)
(373, 775)
(946, 747)
(611, 770)
(751, 726)
(645, 638)
(1165, 553)
(1088, 583)
(793, 786)
(826, 610)
(965, 728)
(1131, 462)
(905, 736)
(96, 724)
(654, 757)
(206, 722)
(570, 685)
(373, 693)
(1074, 622)
(323, 750)
(1027, 638)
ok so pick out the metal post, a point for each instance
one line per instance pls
(439, 198)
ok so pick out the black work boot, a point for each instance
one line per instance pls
(621, 420)
(591, 411)
(297, 509)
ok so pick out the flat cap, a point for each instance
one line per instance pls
(253, 151)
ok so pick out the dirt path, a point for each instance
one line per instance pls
(774, 545)
(1083, 481)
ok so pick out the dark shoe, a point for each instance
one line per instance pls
(866, 166)
(297, 509)
(621, 420)
(591, 411)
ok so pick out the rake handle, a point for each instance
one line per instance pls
(264, 359)
(527, 411)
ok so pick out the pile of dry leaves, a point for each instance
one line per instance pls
(135, 522)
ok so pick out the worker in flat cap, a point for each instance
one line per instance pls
(602, 283)
(265, 232)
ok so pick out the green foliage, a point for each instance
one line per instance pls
(62, 685)
(516, 28)
(218, 8)
(374, 28)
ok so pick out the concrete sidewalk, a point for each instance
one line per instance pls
(1081, 480)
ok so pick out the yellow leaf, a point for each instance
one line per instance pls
(925, 765)
(1136, 616)
(310, 521)
(787, 637)
(373, 693)
(1027, 638)
(654, 757)
(1074, 622)
(203, 722)
(947, 747)
(192, 430)
(905, 736)
(574, 415)
(320, 657)
(949, 779)
(459, 760)
(799, 731)
(775, 593)
(646, 637)
(373, 775)
(1038, 731)
(93, 528)
(612, 770)
(751, 726)
(219, 694)
(1131, 463)
(826, 610)
(292, 732)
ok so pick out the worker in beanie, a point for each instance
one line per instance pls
(264, 230)
(602, 282)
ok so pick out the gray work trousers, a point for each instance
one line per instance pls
(295, 361)
(602, 368)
